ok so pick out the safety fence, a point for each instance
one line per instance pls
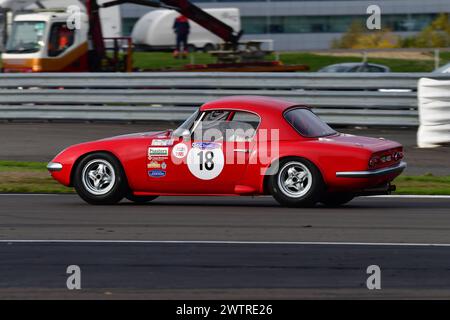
(385, 99)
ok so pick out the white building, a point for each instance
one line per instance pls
(307, 24)
(303, 24)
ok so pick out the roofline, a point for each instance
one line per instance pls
(247, 103)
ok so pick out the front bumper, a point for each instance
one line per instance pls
(398, 168)
(54, 166)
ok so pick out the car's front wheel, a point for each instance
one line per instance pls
(297, 183)
(99, 179)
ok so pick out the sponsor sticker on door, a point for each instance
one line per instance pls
(162, 142)
(180, 150)
(156, 173)
(157, 152)
(206, 145)
(154, 165)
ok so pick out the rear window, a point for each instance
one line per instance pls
(307, 123)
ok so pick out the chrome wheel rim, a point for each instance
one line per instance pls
(294, 179)
(98, 177)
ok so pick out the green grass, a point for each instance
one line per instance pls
(32, 177)
(28, 177)
(164, 60)
(157, 60)
(22, 166)
(33, 185)
(317, 62)
(427, 184)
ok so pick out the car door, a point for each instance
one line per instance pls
(215, 157)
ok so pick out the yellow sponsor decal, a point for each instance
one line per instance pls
(154, 165)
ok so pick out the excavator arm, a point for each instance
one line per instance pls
(192, 12)
(97, 52)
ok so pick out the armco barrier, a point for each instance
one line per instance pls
(387, 99)
(434, 113)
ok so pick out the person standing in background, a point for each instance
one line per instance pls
(181, 28)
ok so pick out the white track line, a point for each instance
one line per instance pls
(412, 196)
(30, 194)
(391, 244)
(405, 196)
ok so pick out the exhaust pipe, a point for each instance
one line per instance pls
(382, 190)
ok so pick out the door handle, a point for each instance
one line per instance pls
(241, 150)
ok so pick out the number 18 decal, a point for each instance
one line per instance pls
(205, 164)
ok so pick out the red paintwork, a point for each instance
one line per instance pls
(331, 154)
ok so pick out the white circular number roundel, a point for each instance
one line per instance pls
(206, 162)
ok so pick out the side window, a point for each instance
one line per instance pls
(243, 126)
(212, 127)
(61, 38)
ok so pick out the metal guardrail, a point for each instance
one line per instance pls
(348, 99)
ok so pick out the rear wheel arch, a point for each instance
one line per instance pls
(296, 183)
(266, 177)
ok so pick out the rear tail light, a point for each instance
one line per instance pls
(398, 155)
(385, 158)
(374, 161)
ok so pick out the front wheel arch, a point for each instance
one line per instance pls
(80, 158)
(99, 178)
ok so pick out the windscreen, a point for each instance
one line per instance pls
(187, 124)
(26, 37)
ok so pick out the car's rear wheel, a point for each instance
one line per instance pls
(298, 183)
(99, 179)
(140, 199)
(336, 199)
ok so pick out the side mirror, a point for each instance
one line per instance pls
(182, 133)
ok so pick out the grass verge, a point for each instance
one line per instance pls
(156, 60)
(28, 177)
(164, 60)
(32, 177)
(426, 185)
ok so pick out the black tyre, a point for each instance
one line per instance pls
(297, 183)
(99, 179)
(140, 199)
(336, 199)
(208, 47)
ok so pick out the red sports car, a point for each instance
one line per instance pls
(242, 145)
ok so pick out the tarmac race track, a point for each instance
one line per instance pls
(217, 247)
(209, 247)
